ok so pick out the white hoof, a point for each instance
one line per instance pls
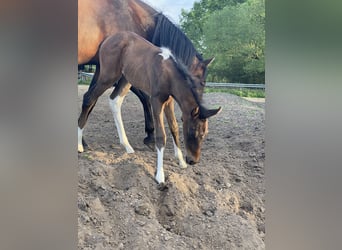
(129, 149)
(160, 178)
(79, 140)
(182, 164)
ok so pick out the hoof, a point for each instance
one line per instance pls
(129, 150)
(162, 187)
(183, 165)
(149, 142)
(80, 148)
(127, 147)
(160, 178)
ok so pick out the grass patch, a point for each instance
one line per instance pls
(255, 93)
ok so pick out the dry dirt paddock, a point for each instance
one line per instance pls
(216, 204)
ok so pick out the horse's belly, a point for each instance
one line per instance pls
(90, 34)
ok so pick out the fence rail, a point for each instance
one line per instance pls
(235, 85)
(85, 76)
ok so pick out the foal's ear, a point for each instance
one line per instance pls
(206, 113)
(195, 112)
(208, 61)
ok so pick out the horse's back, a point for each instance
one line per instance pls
(102, 18)
(134, 56)
(130, 47)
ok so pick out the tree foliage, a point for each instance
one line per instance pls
(193, 21)
(234, 32)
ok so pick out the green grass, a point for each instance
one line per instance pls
(255, 93)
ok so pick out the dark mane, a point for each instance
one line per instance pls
(183, 70)
(167, 34)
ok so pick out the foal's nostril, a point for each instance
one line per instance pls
(190, 161)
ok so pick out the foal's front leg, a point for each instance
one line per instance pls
(173, 125)
(160, 137)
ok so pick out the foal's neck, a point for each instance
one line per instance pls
(184, 96)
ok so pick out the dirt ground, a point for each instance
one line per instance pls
(216, 204)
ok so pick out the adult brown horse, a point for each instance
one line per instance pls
(129, 59)
(102, 18)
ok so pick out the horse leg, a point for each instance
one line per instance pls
(160, 137)
(96, 89)
(115, 102)
(173, 125)
(149, 128)
(92, 83)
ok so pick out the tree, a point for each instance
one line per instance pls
(192, 22)
(236, 36)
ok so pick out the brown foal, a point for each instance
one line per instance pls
(132, 60)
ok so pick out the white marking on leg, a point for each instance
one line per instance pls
(165, 53)
(115, 106)
(160, 178)
(79, 137)
(179, 155)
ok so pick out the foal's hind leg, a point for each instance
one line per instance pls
(93, 82)
(149, 127)
(96, 89)
(115, 102)
(173, 125)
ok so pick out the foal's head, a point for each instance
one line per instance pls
(195, 128)
(195, 123)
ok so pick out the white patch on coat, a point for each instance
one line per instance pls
(179, 155)
(115, 106)
(165, 53)
(160, 177)
(79, 138)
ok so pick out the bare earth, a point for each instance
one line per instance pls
(216, 204)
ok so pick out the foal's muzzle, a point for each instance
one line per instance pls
(190, 161)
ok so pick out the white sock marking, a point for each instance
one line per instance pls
(165, 53)
(160, 178)
(179, 155)
(79, 138)
(115, 106)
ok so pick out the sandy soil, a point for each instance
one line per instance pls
(216, 204)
